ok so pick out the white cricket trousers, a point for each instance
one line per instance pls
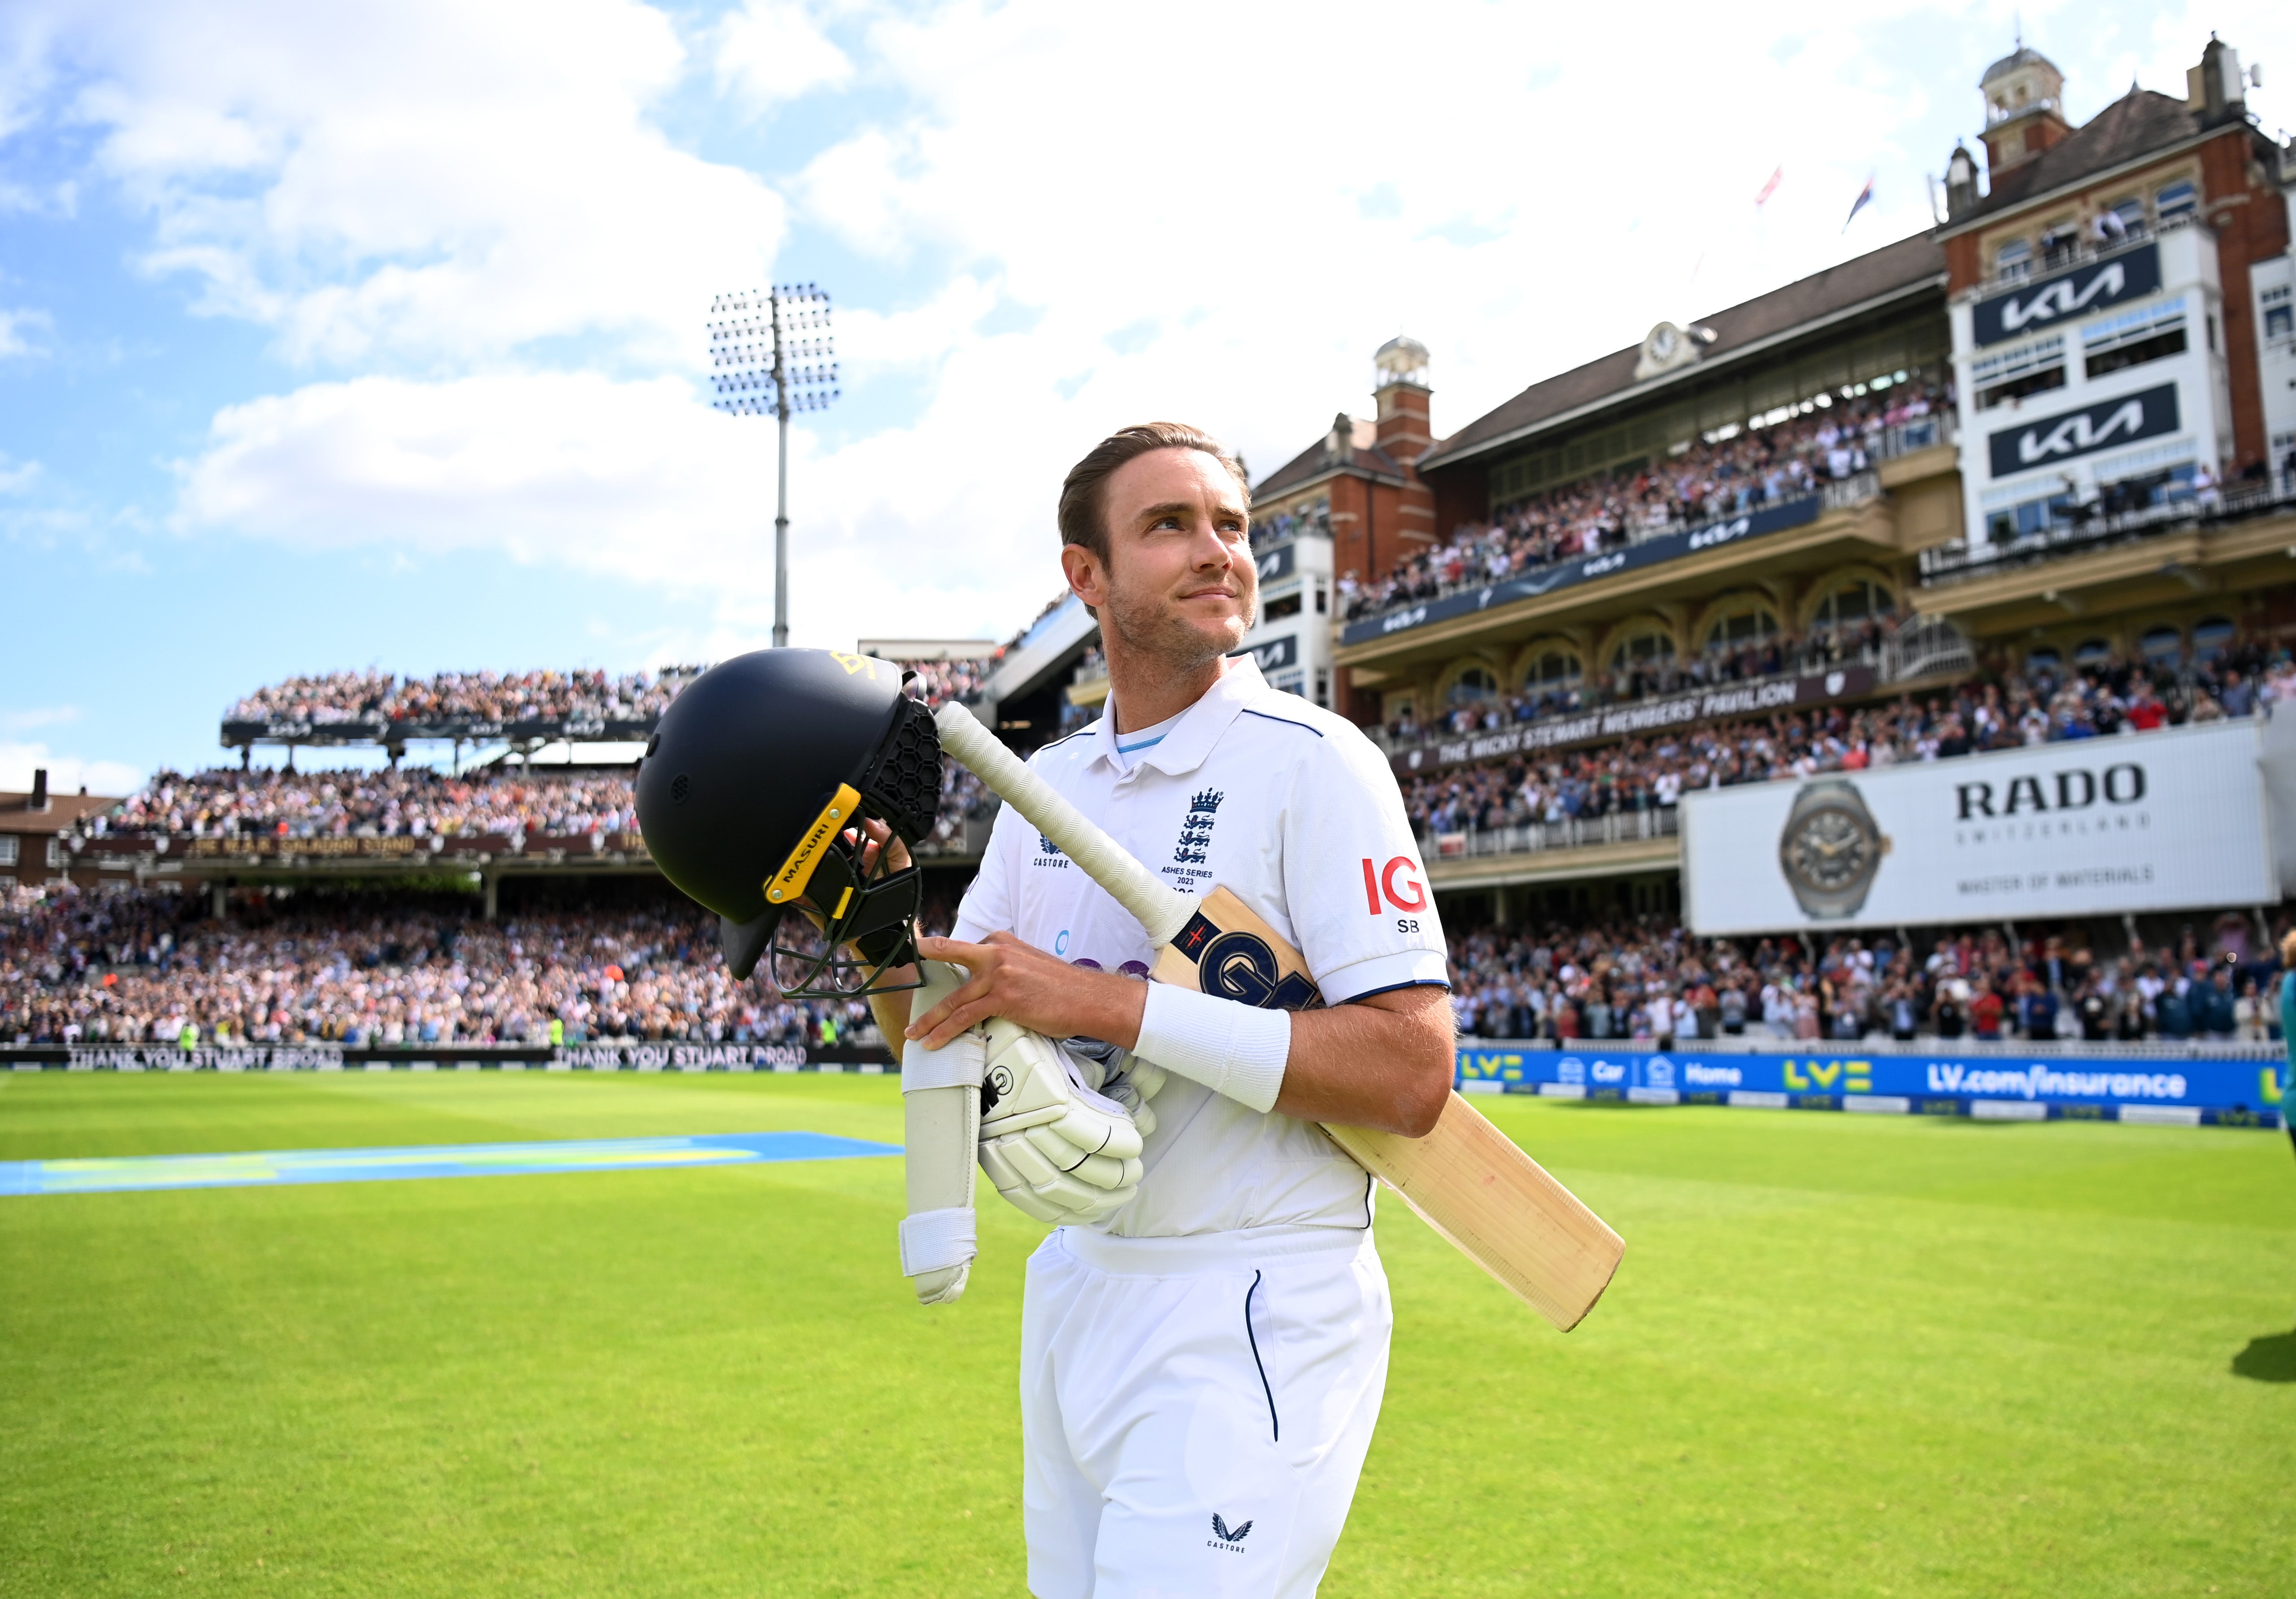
(1167, 1381)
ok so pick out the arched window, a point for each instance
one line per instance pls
(2092, 651)
(2162, 647)
(2044, 659)
(1473, 687)
(1740, 622)
(1647, 643)
(1853, 604)
(1551, 669)
(2211, 637)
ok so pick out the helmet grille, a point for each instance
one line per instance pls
(903, 781)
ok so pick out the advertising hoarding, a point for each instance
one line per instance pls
(2168, 820)
(1931, 1078)
(2057, 299)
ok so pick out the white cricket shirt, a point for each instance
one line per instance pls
(1293, 810)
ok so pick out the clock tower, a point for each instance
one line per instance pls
(2024, 109)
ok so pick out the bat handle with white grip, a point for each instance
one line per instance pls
(1160, 908)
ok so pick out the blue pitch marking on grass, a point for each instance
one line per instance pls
(262, 1167)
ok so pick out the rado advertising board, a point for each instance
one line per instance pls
(2070, 434)
(2055, 300)
(2170, 820)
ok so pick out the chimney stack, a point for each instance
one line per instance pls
(2217, 90)
(39, 790)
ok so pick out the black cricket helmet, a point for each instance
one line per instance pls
(752, 797)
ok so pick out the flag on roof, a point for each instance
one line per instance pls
(1864, 197)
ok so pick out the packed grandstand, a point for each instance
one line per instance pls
(1726, 476)
(385, 971)
(541, 696)
(414, 802)
(145, 964)
(2045, 703)
(2209, 979)
(328, 699)
(127, 966)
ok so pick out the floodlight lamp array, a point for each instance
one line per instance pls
(754, 333)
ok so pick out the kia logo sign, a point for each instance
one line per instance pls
(1278, 562)
(2054, 300)
(1276, 653)
(2075, 433)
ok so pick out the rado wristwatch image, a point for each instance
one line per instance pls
(1831, 849)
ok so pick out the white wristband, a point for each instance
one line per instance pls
(1228, 1046)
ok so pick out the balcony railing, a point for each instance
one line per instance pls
(1573, 832)
(1928, 646)
(1900, 438)
(2073, 534)
(2074, 251)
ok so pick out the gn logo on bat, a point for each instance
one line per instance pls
(1240, 965)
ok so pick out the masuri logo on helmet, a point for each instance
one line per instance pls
(751, 798)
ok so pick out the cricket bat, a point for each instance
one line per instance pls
(1466, 1179)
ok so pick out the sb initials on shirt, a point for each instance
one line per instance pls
(1398, 882)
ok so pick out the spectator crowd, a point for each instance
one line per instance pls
(1736, 471)
(2042, 704)
(538, 696)
(142, 967)
(400, 802)
(335, 698)
(1751, 660)
(423, 802)
(1655, 982)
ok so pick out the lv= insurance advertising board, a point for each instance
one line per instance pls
(2169, 820)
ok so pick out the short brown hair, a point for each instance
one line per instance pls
(1084, 519)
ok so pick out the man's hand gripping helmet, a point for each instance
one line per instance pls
(751, 798)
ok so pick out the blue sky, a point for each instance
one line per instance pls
(372, 336)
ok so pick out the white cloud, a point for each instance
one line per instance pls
(771, 51)
(1216, 216)
(16, 477)
(429, 183)
(66, 773)
(41, 715)
(643, 483)
(14, 325)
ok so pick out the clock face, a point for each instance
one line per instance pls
(1830, 850)
(1661, 341)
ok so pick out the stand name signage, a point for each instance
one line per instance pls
(1646, 715)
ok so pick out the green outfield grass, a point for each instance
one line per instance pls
(1846, 1355)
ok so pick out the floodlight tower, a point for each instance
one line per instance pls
(754, 337)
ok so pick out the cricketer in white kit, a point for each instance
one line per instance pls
(1201, 1371)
